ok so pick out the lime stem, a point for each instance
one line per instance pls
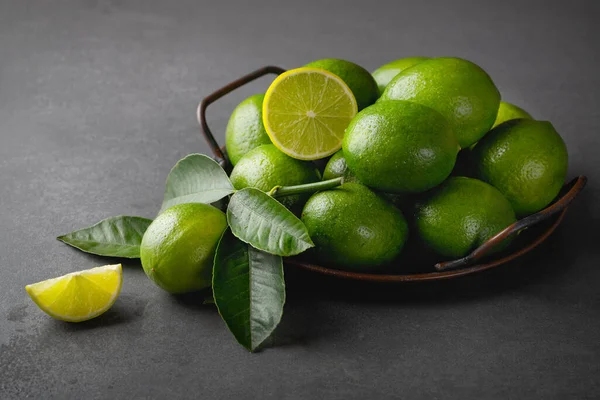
(280, 191)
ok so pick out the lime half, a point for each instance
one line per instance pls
(306, 111)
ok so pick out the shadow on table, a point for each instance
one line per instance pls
(201, 300)
(120, 313)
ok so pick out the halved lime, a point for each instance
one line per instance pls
(306, 111)
(78, 296)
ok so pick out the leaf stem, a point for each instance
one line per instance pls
(280, 191)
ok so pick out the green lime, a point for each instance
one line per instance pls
(526, 160)
(508, 112)
(353, 228)
(399, 146)
(384, 74)
(178, 248)
(266, 167)
(245, 130)
(460, 215)
(460, 90)
(358, 79)
(336, 167)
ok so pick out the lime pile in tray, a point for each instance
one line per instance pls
(340, 165)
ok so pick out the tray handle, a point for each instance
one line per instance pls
(220, 155)
(575, 186)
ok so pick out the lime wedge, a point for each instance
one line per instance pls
(306, 111)
(78, 296)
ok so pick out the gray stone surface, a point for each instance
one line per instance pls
(97, 102)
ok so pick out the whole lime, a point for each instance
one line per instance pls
(460, 90)
(358, 79)
(460, 215)
(508, 112)
(399, 146)
(526, 160)
(266, 167)
(245, 130)
(178, 248)
(353, 228)
(384, 74)
(336, 167)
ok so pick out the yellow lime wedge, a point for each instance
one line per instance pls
(306, 111)
(78, 296)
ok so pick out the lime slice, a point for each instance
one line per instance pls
(306, 111)
(78, 296)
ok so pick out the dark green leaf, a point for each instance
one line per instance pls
(249, 290)
(196, 179)
(259, 219)
(114, 237)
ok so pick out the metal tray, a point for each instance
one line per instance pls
(537, 226)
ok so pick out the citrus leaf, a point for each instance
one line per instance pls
(196, 179)
(260, 220)
(113, 237)
(249, 290)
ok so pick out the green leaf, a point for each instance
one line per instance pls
(260, 220)
(249, 290)
(113, 237)
(196, 179)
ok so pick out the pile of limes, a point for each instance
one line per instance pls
(394, 136)
(389, 143)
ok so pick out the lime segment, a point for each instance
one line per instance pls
(78, 296)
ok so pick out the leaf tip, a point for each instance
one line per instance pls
(254, 347)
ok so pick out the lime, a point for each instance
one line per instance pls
(266, 167)
(336, 167)
(460, 215)
(526, 160)
(306, 111)
(460, 90)
(384, 74)
(356, 77)
(178, 247)
(353, 228)
(245, 130)
(78, 296)
(399, 146)
(508, 112)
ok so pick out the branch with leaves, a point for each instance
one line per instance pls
(248, 280)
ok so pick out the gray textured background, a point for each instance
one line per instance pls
(97, 102)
